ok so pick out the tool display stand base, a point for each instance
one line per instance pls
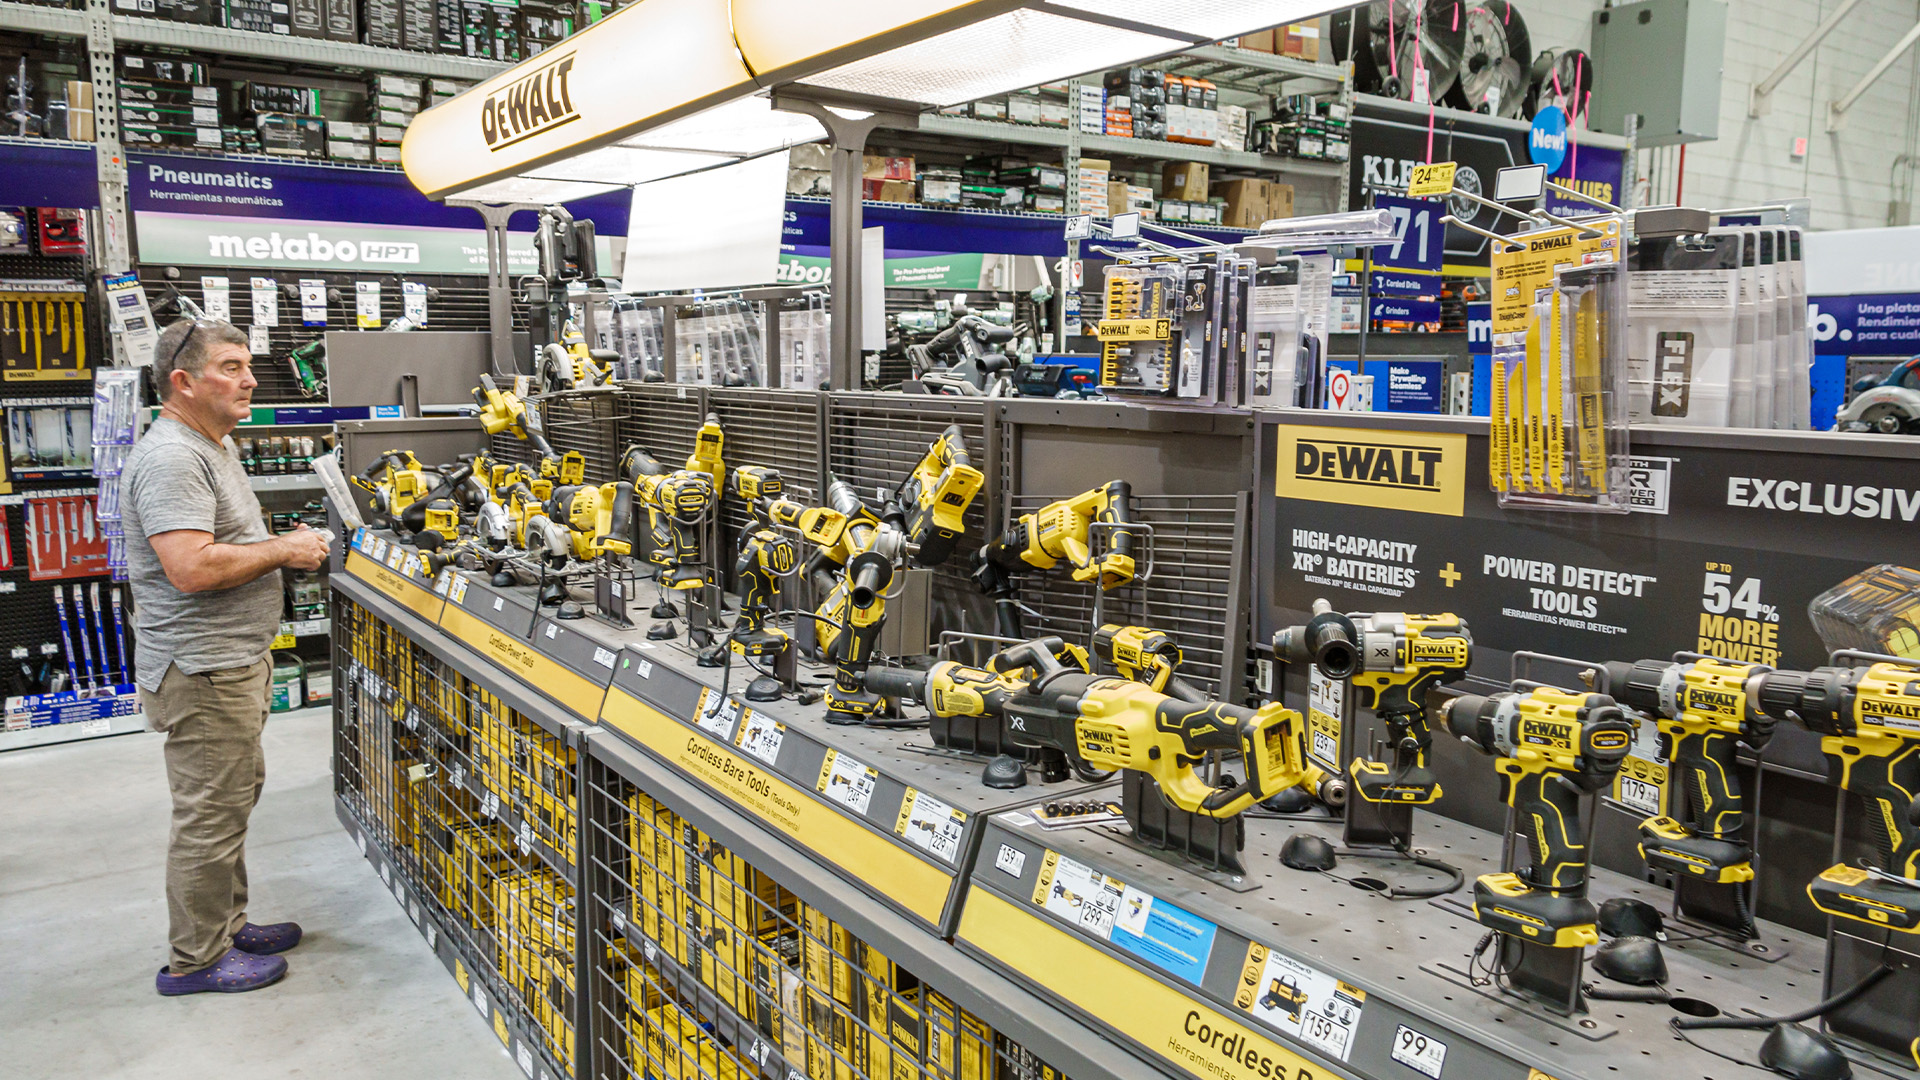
(1884, 1022)
(1548, 975)
(1720, 909)
(1376, 828)
(1210, 843)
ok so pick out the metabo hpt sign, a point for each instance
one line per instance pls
(287, 243)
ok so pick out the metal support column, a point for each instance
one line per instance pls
(847, 129)
(499, 280)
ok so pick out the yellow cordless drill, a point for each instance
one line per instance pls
(1394, 659)
(1060, 531)
(1706, 708)
(1551, 747)
(395, 480)
(1869, 722)
(935, 496)
(678, 503)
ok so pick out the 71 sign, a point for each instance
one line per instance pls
(1422, 237)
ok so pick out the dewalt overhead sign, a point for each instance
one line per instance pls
(1396, 470)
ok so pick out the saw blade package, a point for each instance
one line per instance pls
(1273, 335)
(1683, 315)
(1560, 370)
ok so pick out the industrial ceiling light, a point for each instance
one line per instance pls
(534, 189)
(1006, 52)
(744, 127)
(1209, 20)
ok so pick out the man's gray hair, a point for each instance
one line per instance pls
(169, 355)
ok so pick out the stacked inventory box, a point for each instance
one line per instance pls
(1090, 182)
(490, 31)
(1125, 197)
(887, 179)
(440, 91)
(380, 23)
(292, 135)
(392, 103)
(981, 187)
(418, 28)
(543, 793)
(544, 24)
(1137, 103)
(1193, 110)
(1090, 110)
(261, 16)
(533, 933)
(167, 101)
(1043, 187)
(1305, 127)
(937, 186)
(1043, 106)
(350, 140)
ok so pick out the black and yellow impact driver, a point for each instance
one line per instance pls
(1868, 719)
(1551, 747)
(1393, 659)
(1707, 709)
(1061, 531)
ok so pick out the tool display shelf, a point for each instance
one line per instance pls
(1161, 957)
(522, 1046)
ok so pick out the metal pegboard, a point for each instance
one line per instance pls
(875, 440)
(663, 418)
(778, 429)
(587, 421)
(1194, 594)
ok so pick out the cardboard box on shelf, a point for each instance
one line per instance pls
(878, 167)
(1279, 200)
(349, 150)
(1173, 210)
(990, 109)
(1204, 213)
(1184, 180)
(939, 187)
(1260, 41)
(1246, 202)
(79, 113)
(1300, 40)
(341, 19)
(1023, 108)
(1056, 114)
(309, 19)
(292, 136)
(896, 191)
(1230, 131)
(350, 130)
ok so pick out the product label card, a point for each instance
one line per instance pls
(1300, 1000)
(847, 782)
(931, 825)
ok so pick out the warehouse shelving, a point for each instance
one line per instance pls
(53, 734)
(134, 30)
(1028, 135)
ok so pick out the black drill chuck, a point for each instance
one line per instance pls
(1470, 716)
(1327, 639)
(1817, 697)
(1637, 685)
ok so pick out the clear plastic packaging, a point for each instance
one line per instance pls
(1142, 327)
(1876, 610)
(1560, 370)
(1683, 315)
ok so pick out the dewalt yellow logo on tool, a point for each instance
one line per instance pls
(1398, 470)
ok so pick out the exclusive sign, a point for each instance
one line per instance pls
(1726, 550)
(1402, 470)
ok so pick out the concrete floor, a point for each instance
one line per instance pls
(83, 928)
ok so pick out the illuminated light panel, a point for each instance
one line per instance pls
(775, 34)
(1211, 19)
(1009, 51)
(748, 126)
(534, 189)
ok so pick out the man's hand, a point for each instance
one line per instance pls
(305, 549)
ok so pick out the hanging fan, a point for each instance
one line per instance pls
(1350, 43)
(1436, 28)
(1562, 77)
(1495, 61)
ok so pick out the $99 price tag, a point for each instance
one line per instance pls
(1420, 1052)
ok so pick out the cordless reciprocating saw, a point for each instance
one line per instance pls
(1061, 531)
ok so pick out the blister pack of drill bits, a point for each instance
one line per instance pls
(1141, 329)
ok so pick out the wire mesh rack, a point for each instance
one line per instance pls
(662, 418)
(1191, 595)
(873, 443)
(476, 806)
(705, 968)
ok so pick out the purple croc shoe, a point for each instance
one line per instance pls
(267, 940)
(235, 973)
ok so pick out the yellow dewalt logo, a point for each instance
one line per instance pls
(1399, 470)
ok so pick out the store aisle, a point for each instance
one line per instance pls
(83, 929)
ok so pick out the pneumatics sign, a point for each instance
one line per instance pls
(536, 103)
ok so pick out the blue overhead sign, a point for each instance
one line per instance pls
(1413, 309)
(1422, 237)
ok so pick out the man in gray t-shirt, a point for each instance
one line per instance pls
(205, 575)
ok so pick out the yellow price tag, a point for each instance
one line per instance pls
(1431, 181)
(1134, 329)
(282, 641)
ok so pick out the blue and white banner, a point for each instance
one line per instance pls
(1885, 324)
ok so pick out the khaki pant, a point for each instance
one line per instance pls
(215, 767)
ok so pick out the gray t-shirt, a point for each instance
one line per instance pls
(177, 478)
